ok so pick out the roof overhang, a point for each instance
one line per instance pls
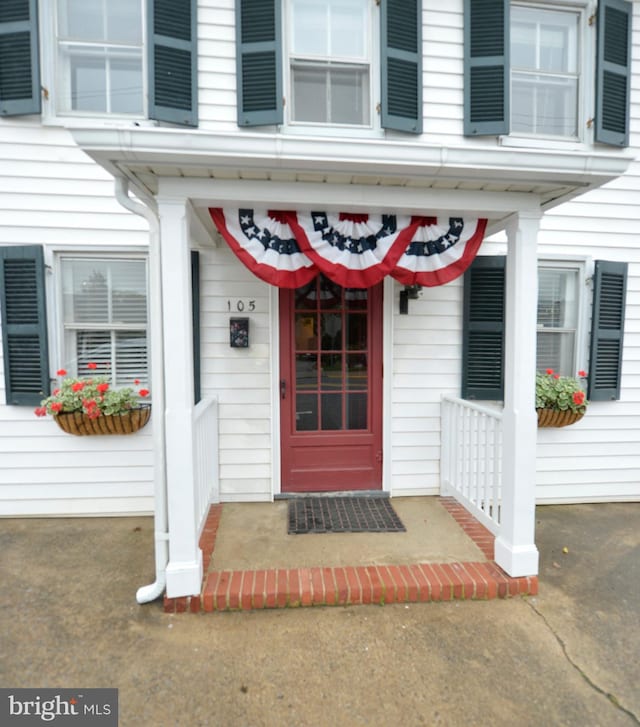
(395, 174)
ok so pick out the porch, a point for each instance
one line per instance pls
(250, 562)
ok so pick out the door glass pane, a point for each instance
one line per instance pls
(357, 371)
(331, 376)
(306, 412)
(356, 331)
(306, 371)
(331, 411)
(306, 338)
(331, 331)
(357, 411)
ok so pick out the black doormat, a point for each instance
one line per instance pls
(343, 515)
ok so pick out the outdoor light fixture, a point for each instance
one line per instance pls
(410, 292)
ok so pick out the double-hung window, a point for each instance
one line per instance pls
(99, 57)
(558, 318)
(545, 52)
(104, 317)
(329, 61)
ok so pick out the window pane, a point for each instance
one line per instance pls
(357, 411)
(331, 411)
(126, 86)
(558, 291)
(331, 371)
(88, 84)
(337, 28)
(545, 105)
(331, 330)
(306, 412)
(124, 21)
(349, 96)
(556, 350)
(116, 21)
(357, 371)
(557, 298)
(105, 318)
(310, 27)
(544, 58)
(310, 94)
(306, 371)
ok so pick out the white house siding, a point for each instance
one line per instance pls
(239, 377)
(52, 194)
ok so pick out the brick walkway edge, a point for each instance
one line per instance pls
(349, 586)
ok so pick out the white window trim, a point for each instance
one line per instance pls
(584, 266)
(586, 98)
(374, 129)
(55, 307)
(47, 11)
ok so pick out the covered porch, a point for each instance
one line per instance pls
(487, 460)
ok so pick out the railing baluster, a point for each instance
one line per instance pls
(472, 457)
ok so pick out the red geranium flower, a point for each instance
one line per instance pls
(78, 386)
(56, 406)
(578, 398)
(136, 382)
(56, 392)
(582, 374)
(549, 371)
(91, 365)
(102, 387)
(61, 372)
(41, 411)
(144, 392)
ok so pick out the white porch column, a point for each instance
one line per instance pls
(515, 549)
(184, 571)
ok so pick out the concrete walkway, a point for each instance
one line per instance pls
(568, 656)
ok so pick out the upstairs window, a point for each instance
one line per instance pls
(544, 71)
(104, 309)
(329, 62)
(100, 57)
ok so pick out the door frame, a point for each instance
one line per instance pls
(390, 301)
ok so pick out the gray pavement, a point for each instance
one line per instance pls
(569, 656)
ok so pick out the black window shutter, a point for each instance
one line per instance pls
(486, 67)
(173, 61)
(24, 325)
(607, 327)
(259, 62)
(613, 72)
(483, 329)
(195, 312)
(401, 65)
(19, 61)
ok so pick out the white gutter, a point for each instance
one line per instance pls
(154, 590)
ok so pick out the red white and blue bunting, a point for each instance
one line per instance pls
(288, 249)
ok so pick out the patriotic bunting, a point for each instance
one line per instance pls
(437, 254)
(289, 249)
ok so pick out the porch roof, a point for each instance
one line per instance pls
(399, 174)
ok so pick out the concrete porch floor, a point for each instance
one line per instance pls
(250, 562)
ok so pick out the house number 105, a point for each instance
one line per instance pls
(240, 305)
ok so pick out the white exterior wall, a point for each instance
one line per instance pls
(52, 194)
(239, 377)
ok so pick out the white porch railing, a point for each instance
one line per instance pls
(205, 434)
(471, 458)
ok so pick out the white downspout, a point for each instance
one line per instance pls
(154, 590)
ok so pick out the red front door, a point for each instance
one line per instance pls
(331, 387)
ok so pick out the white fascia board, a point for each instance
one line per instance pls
(358, 198)
(175, 147)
